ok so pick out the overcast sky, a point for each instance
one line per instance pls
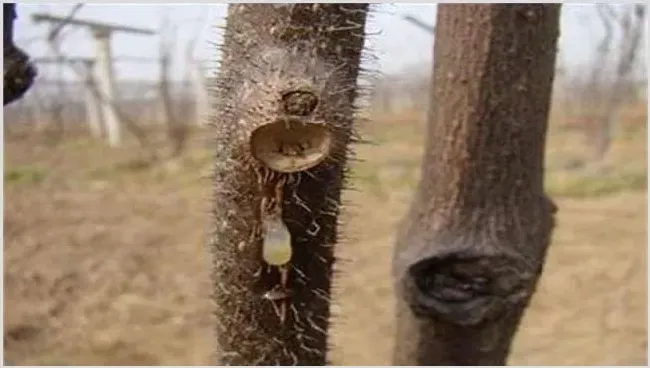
(398, 45)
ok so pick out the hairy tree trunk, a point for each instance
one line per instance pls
(18, 71)
(472, 248)
(284, 117)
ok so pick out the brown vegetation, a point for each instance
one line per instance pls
(105, 262)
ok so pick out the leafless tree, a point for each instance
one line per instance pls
(54, 133)
(609, 84)
(472, 247)
(195, 76)
(176, 128)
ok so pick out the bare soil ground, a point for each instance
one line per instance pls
(104, 261)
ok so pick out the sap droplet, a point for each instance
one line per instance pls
(276, 247)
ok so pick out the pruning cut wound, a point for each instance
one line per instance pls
(290, 145)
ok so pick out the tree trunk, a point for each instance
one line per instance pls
(471, 250)
(284, 116)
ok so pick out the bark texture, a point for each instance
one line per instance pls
(472, 247)
(279, 60)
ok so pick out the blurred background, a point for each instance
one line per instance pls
(107, 191)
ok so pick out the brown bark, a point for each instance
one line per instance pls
(294, 64)
(472, 248)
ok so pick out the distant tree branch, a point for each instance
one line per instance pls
(176, 129)
(609, 82)
(59, 26)
(420, 24)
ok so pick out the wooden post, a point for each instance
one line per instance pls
(106, 85)
(103, 67)
(94, 115)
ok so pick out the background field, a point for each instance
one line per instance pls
(105, 264)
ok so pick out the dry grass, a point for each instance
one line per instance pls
(104, 260)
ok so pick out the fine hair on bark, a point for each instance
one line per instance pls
(284, 107)
(471, 249)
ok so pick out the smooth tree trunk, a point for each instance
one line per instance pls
(472, 247)
(284, 108)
